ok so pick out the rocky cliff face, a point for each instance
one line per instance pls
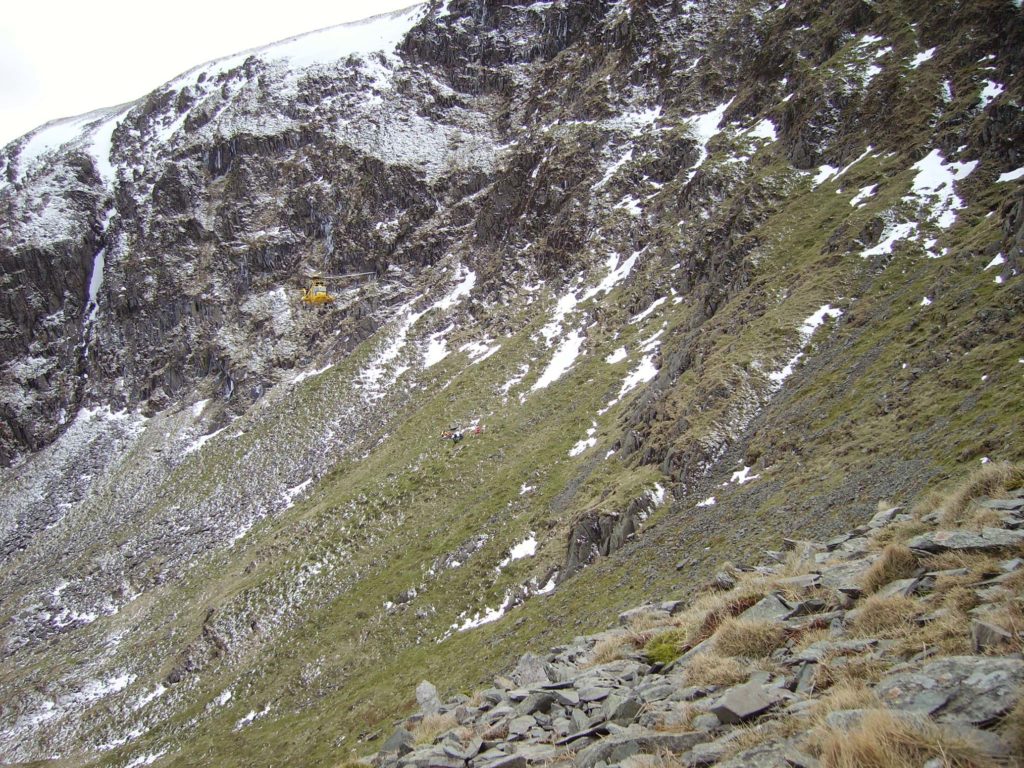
(705, 275)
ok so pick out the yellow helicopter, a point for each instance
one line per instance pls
(317, 293)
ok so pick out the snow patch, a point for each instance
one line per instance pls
(617, 356)
(525, 548)
(863, 194)
(806, 330)
(588, 442)
(742, 476)
(998, 261)
(710, 501)
(647, 312)
(921, 58)
(561, 362)
(1011, 175)
(764, 130)
(705, 127)
(990, 92)
(926, 302)
(933, 186)
(892, 234)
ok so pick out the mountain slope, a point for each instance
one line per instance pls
(705, 275)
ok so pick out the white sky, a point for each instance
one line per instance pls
(60, 58)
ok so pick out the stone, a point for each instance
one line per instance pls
(623, 710)
(705, 721)
(639, 741)
(520, 726)
(978, 690)
(401, 742)
(770, 608)
(1009, 505)
(431, 757)
(1009, 566)
(804, 583)
(723, 581)
(530, 670)
(580, 720)
(806, 608)
(883, 518)
(899, 588)
(536, 753)
(805, 678)
(464, 751)
(985, 636)
(744, 702)
(965, 541)
(505, 761)
(427, 699)
(772, 754)
(594, 693)
(539, 701)
(657, 691)
(567, 697)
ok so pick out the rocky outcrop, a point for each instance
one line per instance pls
(574, 707)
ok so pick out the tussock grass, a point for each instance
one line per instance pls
(886, 617)
(895, 562)
(847, 694)
(900, 532)
(607, 650)
(838, 670)
(750, 639)
(714, 669)
(432, 726)
(666, 646)
(885, 740)
(989, 480)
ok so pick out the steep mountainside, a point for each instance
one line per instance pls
(703, 274)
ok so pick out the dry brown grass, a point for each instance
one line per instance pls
(847, 670)
(713, 669)
(432, 726)
(710, 609)
(750, 639)
(886, 617)
(1012, 727)
(607, 650)
(895, 562)
(848, 694)
(899, 532)
(990, 480)
(883, 739)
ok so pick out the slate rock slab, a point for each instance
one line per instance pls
(744, 702)
(978, 690)
(966, 541)
(617, 748)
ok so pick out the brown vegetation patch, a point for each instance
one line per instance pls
(883, 739)
(895, 562)
(750, 639)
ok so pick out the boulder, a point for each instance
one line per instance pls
(401, 742)
(427, 699)
(635, 741)
(531, 670)
(985, 636)
(769, 608)
(745, 702)
(966, 541)
(977, 690)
